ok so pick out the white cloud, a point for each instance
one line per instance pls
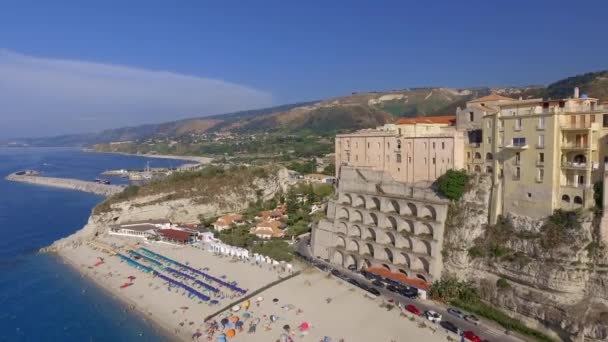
(40, 97)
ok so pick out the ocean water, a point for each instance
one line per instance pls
(41, 299)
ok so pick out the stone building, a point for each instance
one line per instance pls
(377, 221)
(411, 150)
(543, 154)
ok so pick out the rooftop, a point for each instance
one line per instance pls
(174, 234)
(444, 119)
(491, 97)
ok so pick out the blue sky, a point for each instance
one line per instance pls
(227, 55)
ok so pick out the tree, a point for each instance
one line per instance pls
(453, 184)
(292, 202)
(330, 169)
(598, 194)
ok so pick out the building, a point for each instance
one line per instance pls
(268, 229)
(273, 215)
(411, 150)
(377, 221)
(142, 230)
(226, 221)
(542, 154)
(176, 236)
(319, 178)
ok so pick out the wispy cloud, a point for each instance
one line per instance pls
(41, 96)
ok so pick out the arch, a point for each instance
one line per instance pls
(403, 259)
(357, 216)
(566, 198)
(359, 201)
(350, 260)
(489, 156)
(366, 263)
(355, 231)
(407, 243)
(477, 168)
(353, 246)
(369, 248)
(342, 228)
(389, 255)
(391, 239)
(428, 211)
(376, 203)
(392, 223)
(420, 264)
(407, 226)
(387, 267)
(578, 200)
(412, 209)
(347, 199)
(343, 214)
(424, 229)
(394, 206)
(371, 234)
(373, 219)
(421, 277)
(402, 271)
(338, 258)
(340, 242)
(579, 159)
(422, 247)
(488, 169)
(477, 155)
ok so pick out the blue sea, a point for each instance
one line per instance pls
(41, 299)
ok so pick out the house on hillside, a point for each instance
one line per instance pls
(273, 215)
(319, 178)
(226, 222)
(268, 229)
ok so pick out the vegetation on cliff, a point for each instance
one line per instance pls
(453, 184)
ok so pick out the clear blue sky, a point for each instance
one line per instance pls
(291, 51)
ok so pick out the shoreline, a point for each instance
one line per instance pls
(200, 160)
(129, 304)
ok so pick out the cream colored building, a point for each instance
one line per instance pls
(543, 154)
(411, 150)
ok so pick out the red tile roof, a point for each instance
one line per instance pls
(174, 234)
(444, 119)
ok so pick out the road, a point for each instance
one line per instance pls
(485, 330)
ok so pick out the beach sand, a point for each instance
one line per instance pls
(350, 314)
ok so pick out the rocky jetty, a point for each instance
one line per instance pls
(65, 183)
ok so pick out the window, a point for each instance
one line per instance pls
(425, 161)
(443, 146)
(541, 157)
(433, 145)
(356, 144)
(517, 124)
(517, 172)
(540, 175)
(471, 116)
(367, 145)
(433, 160)
(398, 144)
(468, 155)
(592, 118)
(356, 157)
(378, 145)
(541, 141)
(388, 145)
(605, 120)
(399, 131)
(398, 158)
(519, 141)
(517, 158)
(409, 160)
(541, 123)
(501, 124)
(501, 139)
(489, 124)
(489, 140)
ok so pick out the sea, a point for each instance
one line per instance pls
(42, 299)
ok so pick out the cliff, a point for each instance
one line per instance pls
(550, 273)
(184, 199)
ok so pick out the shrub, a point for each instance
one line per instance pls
(503, 283)
(452, 184)
(278, 250)
(476, 252)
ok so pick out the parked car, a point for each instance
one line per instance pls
(377, 283)
(449, 326)
(371, 290)
(336, 273)
(392, 288)
(432, 316)
(456, 312)
(409, 292)
(472, 319)
(352, 268)
(469, 335)
(413, 309)
(353, 281)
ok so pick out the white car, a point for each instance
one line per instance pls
(432, 316)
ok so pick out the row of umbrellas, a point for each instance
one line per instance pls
(196, 281)
(134, 263)
(148, 259)
(186, 287)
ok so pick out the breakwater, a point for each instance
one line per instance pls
(66, 183)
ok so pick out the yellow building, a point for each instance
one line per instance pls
(543, 154)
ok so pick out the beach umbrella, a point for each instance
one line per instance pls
(286, 327)
(224, 321)
(236, 308)
(273, 318)
(304, 326)
(275, 300)
(230, 333)
(259, 299)
(221, 338)
(246, 315)
(234, 319)
(213, 302)
(239, 324)
(246, 304)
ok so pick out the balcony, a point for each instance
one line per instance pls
(577, 126)
(540, 146)
(517, 162)
(538, 179)
(576, 185)
(519, 146)
(540, 127)
(475, 144)
(574, 165)
(540, 162)
(577, 146)
(516, 177)
(517, 128)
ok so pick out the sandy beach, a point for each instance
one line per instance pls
(328, 306)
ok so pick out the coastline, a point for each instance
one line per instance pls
(199, 160)
(157, 325)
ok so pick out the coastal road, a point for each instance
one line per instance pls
(485, 330)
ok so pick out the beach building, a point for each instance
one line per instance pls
(226, 221)
(143, 230)
(176, 236)
(379, 222)
(542, 154)
(411, 150)
(268, 229)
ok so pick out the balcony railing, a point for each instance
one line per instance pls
(540, 145)
(516, 177)
(540, 162)
(576, 146)
(577, 125)
(540, 127)
(538, 179)
(517, 162)
(574, 165)
(475, 144)
(577, 185)
(517, 128)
